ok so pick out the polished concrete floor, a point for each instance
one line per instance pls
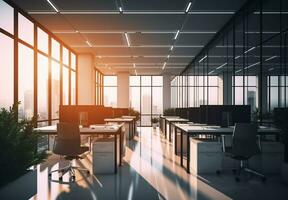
(150, 171)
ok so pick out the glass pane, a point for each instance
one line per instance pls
(135, 98)
(55, 86)
(26, 82)
(42, 87)
(42, 40)
(145, 120)
(273, 98)
(213, 96)
(251, 97)
(238, 81)
(134, 80)
(26, 29)
(55, 49)
(157, 80)
(213, 80)
(157, 98)
(73, 61)
(6, 17)
(274, 80)
(73, 88)
(145, 80)
(145, 100)
(110, 96)
(238, 96)
(6, 71)
(65, 86)
(65, 56)
(110, 80)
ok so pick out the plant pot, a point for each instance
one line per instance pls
(284, 172)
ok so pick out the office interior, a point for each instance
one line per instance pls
(154, 99)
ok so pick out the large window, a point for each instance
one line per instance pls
(146, 96)
(110, 91)
(26, 82)
(193, 91)
(6, 17)
(42, 87)
(6, 71)
(245, 91)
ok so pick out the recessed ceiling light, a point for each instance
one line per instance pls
(134, 65)
(202, 58)
(250, 49)
(127, 39)
(52, 5)
(135, 72)
(221, 66)
(271, 58)
(164, 65)
(211, 72)
(89, 44)
(120, 9)
(188, 7)
(177, 33)
(168, 56)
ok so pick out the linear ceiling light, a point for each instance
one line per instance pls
(211, 72)
(238, 71)
(52, 5)
(135, 72)
(271, 69)
(120, 9)
(257, 63)
(164, 65)
(89, 44)
(202, 59)
(127, 39)
(271, 58)
(134, 65)
(250, 49)
(237, 57)
(221, 66)
(188, 7)
(171, 48)
(177, 33)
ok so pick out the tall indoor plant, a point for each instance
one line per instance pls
(18, 145)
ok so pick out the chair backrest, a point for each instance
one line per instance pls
(68, 139)
(244, 140)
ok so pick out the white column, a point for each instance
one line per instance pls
(123, 89)
(86, 93)
(166, 92)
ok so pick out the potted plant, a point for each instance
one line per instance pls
(154, 122)
(18, 144)
(280, 117)
(133, 112)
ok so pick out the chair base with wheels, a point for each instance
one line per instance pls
(243, 168)
(69, 168)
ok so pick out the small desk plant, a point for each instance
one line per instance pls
(18, 145)
(280, 117)
(154, 122)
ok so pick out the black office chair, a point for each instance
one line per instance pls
(244, 146)
(68, 144)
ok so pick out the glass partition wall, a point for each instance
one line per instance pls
(36, 68)
(244, 64)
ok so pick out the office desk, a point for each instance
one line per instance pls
(93, 130)
(171, 120)
(163, 122)
(134, 121)
(129, 121)
(195, 130)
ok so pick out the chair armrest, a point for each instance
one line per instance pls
(259, 142)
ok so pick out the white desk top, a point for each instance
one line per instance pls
(118, 120)
(177, 120)
(91, 129)
(128, 117)
(163, 116)
(217, 129)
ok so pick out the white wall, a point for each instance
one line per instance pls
(123, 90)
(86, 93)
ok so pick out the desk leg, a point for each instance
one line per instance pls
(165, 127)
(115, 156)
(175, 140)
(120, 147)
(181, 149)
(170, 126)
(188, 154)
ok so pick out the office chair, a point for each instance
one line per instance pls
(244, 146)
(68, 144)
